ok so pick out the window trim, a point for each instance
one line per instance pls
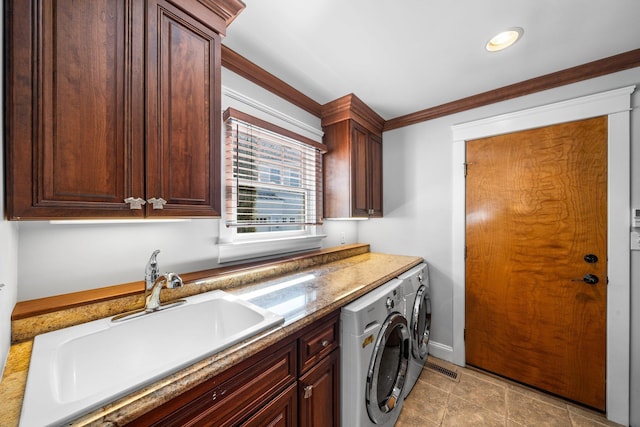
(234, 246)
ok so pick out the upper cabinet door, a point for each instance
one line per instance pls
(75, 128)
(374, 148)
(360, 178)
(353, 164)
(183, 113)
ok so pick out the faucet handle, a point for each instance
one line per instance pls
(173, 280)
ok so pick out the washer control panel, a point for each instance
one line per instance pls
(393, 300)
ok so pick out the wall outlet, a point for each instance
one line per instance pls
(635, 240)
(343, 239)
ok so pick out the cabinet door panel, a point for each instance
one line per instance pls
(319, 393)
(360, 172)
(375, 175)
(183, 96)
(280, 412)
(86, 114)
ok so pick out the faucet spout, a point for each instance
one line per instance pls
(168, 280)
(151, 272)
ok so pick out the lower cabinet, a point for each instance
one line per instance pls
(280, 412)
(294, 382)
(319, 393)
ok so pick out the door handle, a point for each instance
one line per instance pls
(590, 279)
(590, 258)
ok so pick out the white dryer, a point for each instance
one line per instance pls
(374, 357)
(418, 313)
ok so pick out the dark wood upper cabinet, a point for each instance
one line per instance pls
(98, 111)
(353, 164)
(183, 113)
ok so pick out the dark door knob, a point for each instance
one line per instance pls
(590, 258)
(590, 279)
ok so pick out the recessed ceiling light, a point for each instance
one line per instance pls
(504, 39)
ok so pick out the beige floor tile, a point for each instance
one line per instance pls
(438, 380)
(461, 412)
(484, 375)
(585, 417)
(524, 409)
(425, 401)
(478, 390)
(538, 395)
(412, 416)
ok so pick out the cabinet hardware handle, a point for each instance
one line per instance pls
(308, 391)
(158, 203)
(135, 203)
(214, 396)
(324, 343)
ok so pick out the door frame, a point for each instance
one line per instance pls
(616, 104)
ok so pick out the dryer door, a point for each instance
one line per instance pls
(421, 324)
(388, 369)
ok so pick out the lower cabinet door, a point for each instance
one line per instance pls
(280, 412)
(319, 393)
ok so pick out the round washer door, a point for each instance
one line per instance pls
(421, 324)
(388, 369)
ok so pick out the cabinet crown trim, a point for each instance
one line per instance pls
(225, 9)
(351, 107)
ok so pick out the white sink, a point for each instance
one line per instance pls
(80, 368)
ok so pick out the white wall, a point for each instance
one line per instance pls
(418, 200)
(61, 258)
(8, 248)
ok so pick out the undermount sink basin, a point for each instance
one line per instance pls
(80, 368)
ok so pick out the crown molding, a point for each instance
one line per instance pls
(351, 107)
(228, 10)
(601, 67)
(250, 71)
(330, 111)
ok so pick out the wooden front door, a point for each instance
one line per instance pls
(536, 221)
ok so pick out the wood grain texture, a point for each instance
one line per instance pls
(183, 113)
(350, 107)
(536, 204)
(75, 128)
(322, 408)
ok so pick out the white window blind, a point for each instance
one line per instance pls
(273, 176)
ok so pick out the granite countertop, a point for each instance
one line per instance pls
(301, 297)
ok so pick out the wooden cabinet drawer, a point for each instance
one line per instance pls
(318, 342)
(281, 412)
(233, 395)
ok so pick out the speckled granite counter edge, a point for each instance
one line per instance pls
(143, 400)
(26, 329)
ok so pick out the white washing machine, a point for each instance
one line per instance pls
(418, 313)
(375, 349)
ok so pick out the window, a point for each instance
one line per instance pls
(273, 177)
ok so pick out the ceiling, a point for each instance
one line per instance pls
(403, 56)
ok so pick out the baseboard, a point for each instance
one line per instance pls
(441, 351)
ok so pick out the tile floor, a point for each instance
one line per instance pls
(478, 399)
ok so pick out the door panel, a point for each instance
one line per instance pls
(360, 172)
(536, 205)
(183, 96)
(91, 129)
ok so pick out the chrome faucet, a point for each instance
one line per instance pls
(169, 280)
(151, 273)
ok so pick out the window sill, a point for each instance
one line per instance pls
(244, 250)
